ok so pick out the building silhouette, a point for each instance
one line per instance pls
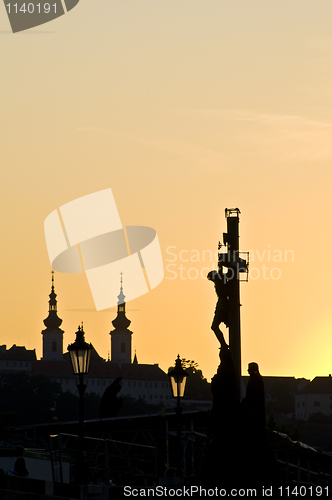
(315, 397)
(139, 381)
(17, 358)
(146, 381)
(121, 335)
(52, 335)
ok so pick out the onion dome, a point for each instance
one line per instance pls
(52, 320)
(121, 322)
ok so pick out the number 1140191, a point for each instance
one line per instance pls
(303, 491)
(30, 8)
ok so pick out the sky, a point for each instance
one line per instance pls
(182, 108)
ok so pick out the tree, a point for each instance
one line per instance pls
(131, 406)
(67, 407)
(197, 386)
(30, 396)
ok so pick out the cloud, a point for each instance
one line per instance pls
(101, 311)
(287, 136)
(190, 150)
(245, 115)
(221, 136)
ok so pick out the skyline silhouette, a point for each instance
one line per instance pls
(183, 110)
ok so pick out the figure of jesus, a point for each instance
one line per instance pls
(221, 312)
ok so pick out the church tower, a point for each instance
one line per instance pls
(52, 335)
(121, 336)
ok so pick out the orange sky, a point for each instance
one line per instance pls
(183, 109)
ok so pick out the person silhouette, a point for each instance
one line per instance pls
(20, 469)
(255, 453)
(110, 404)
(221, 312)
(254, 400)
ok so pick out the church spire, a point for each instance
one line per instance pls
(121, 297)
(52, 335)
(121, 322)
(121, 335)
(53, 320)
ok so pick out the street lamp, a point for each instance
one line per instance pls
(178, 378)
(80, 355)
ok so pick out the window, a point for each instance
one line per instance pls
(162, 385)
(156, 385)
(316, 403)
(54, 346)
(121, 308)
(123, 347)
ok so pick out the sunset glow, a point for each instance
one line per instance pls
(182, 109)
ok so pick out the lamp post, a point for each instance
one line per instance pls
(178, 378)
(80, 355)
